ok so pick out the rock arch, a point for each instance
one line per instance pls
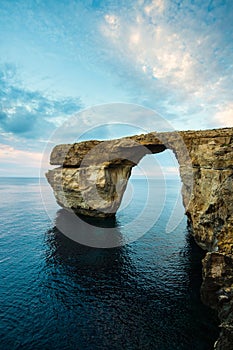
(92, 178)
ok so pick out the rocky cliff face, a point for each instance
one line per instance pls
(93, 175)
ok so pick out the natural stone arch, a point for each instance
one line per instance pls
(92, 175)
(206, 170)
(99, 170)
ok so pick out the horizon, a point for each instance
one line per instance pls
(65, 59)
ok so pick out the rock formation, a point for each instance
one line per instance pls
(93, 175)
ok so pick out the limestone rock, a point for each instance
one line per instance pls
(93, 175)
(217, 292)
(92, 191)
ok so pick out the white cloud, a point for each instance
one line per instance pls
(135, 37)
(155, 48)
(171, 54)
(112, 20)
(154, 7)
(224, 117)
(11, 155)
(111, 26)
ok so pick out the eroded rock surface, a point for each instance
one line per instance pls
(92, 178)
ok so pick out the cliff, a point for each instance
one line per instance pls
(93, 175)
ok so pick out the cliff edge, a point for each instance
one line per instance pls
(92, 177)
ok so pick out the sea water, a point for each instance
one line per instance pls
(58, 294)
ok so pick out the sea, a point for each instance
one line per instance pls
(59, 294)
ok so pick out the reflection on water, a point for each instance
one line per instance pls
(140, 296)
(58, 294)
(91, 232)
(62, 251)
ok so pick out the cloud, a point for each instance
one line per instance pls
(175, 54)
(30, 114)
(154, 7)
(10, 155)
(18, 162)
(151, 45)
(224, 117)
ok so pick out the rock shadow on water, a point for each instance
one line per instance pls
(88, 231)
(81, 248)
(108, 293)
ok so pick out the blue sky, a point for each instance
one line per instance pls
(61, 57)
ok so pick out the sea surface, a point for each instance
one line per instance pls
(58, 294)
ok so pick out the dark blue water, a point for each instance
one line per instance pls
(57, 294)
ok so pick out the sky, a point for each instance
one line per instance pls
(60, 59)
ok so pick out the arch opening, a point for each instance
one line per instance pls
(158, 173)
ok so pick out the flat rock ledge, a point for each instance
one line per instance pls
(92, 177)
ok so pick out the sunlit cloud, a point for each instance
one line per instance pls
(154, 7)
(224, 117)
(11, 155)
(174, 57)
(166, 48)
